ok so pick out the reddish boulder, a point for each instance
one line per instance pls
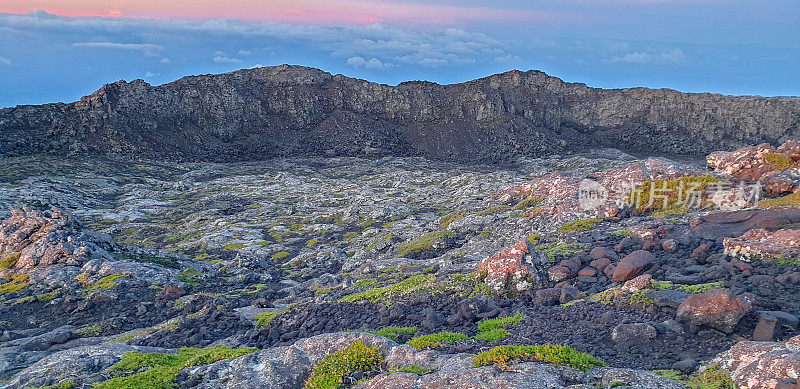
(729, 224)
(760, 244)
(603, 253)
(632, 265)
(559, 273)
(600, 264)
(513, 268)
(587, 272)
(717, 309)
(171, 292)
(761, 365)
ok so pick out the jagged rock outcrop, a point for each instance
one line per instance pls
(266, 112)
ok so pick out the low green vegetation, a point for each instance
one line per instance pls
(780, 161)
(264, 319)
(322, 291)
(313, 242)
(137, 370)
(529, 202)
(711, 378)
(492, 335)
(510, 321)
(89, 331)
(17, 282)
(280, 255)
(446, 220)
(558, 355)
(9, 261)
(639, 298)
(579, 225)
(533, 238)
(558, 249)
(393, 332)
(413, 369)
(621, 232)
(386, 293)
(494, 209)
(429, 341)
(700, 288)
(234, 246)
(791, 200)
(106, 282)
(423, 243)
(672, 194)
(332, 370)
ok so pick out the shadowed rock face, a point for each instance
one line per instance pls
(290, 110)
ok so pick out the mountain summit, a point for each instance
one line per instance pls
(260, 113)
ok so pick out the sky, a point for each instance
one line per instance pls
(60, 50)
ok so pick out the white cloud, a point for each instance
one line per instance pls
(149, 50)
(244, 53)
(372, 63)
(149, 74)
(674, 56)
(165, 60)
(225, 59)
(5, 61)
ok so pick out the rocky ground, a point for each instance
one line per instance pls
(653, 273)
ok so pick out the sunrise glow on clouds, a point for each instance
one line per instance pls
(59, 50)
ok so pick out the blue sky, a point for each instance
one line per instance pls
(730, 47)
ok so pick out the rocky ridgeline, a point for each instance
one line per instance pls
(260, 113)
(436, 278)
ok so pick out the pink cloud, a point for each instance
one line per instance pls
(329, 12)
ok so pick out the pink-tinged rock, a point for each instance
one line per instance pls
(632, 265)
(639, 283)
(760, 244)
(669, 245)
(761, 365)
(736, 197)
(171, 292)
(559, 273)
(44, 238)
(717, 309)
(791, 148)
(701, 252)
(603, 253)
(779, 182)
(509, 270)
(587, 272)
(746, 164)
(600, 264)
(609, 270)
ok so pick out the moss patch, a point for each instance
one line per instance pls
(557, 249)
(423, 243)
(264, 319)
(234, 246)
(548, 353)
(791, 200)
(332, 370)
(529, 202)
(579, 225)
(672, 194)
(9, 261)
(106, 282)
(446, 220)
(138, 370)
(779, 161)
(402, 288)
(280, 255)
(393, 332)
(435, 340)
(490, 324)
(17, 283)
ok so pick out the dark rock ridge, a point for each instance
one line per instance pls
(260, 113)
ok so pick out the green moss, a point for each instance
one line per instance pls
(334, 368)
(138, 370)
(674, 375)
(17, 283)
(533, 238)
(106, 282)
(495, 209)
(548, 353)
(435, 340)
(711, 378)
(492, 335)
(460, 254)
(671, 210)
(491, 324)
(639, 298)
(234, 246)
(621, 232)
(779, 161)
(350, 234)
(89, 331)
(9, 261)
(446, 220)
(792, 200)
(571, 303)
(402, 288)
(47, 297)
(323, 291)
(423, 243)
(661, 285)
(60, 385)
(264, 319)
(280, 255)
(782, 260)
(393, 332)
(579, 225)
(529, 202)
(313, 242)
(671, 194)
(557, 249)
(700, 288)
(605, 297)
(413, 369)
(366, 282)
